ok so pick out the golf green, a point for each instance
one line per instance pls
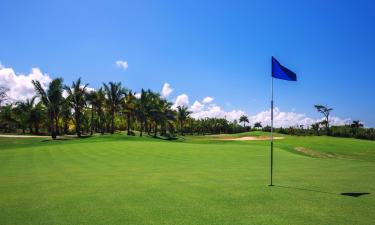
(198, 180)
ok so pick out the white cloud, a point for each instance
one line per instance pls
(167, 90)
(208, 100)
(196, 107)
(290, 119)
(215, 111)
(122, 64)
(138, 95)
(182, 100)
(19, 85)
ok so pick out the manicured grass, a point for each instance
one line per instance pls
(199, 180)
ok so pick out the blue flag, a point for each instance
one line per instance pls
(281, 72)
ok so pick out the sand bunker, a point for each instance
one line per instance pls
(251, 138)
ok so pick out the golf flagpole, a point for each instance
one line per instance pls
(280, 72)
(271, 159)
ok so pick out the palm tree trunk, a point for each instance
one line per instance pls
(57, 125)
(92, 120)
(141, 128)
(52, 127)
(36, 128)
(156, 129)
(112, 121)
(65, 127)
(128, 119)
(78, 123)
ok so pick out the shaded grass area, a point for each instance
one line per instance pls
(194, 180)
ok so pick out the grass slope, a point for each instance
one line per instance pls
(131, 180)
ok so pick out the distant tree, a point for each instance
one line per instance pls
(51, 99)
(315, 127)
(182, 115)
(326, 112)
(244, 120)
(76, 96)
(258, 125)
(356, 124)
(3, 94)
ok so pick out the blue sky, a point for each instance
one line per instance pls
(220, 49)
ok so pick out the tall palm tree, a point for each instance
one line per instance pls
(114, 93)
(76, 95)
(244, 119)
(51, 99)
(325, 111)
(182, 115)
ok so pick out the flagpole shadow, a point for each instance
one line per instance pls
(306, 189)
(350, 194)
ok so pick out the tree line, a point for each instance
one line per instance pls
(114, 108)
(109, 109)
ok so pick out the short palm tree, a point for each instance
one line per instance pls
(51, 99)
(24, 110)
(244, 119)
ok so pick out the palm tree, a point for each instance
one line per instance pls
(99, 105)
(51, 99)
(37, 116)
(3, 94)
(93, 99)
(141, 105)
(114, 94)
(129, 104)
(24, 109)
(66, 114)
(76, 95)
(257, 125)
(182, 115)
(154, 110)
(244, 120)
(325, 111)
(356, 124)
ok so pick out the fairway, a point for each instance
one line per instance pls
(131, 180)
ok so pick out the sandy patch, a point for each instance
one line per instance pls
(21, 136)
(318, 154)
(251, 138)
